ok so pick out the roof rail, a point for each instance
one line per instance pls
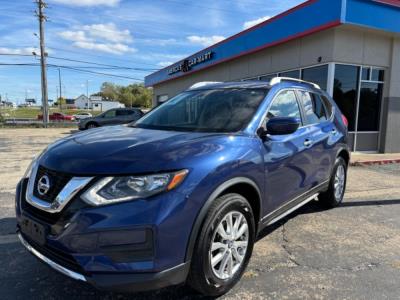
(277, 80)
(202, 84)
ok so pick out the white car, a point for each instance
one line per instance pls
(82, 115)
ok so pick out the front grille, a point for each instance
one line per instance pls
(64, 259)
(58, 181)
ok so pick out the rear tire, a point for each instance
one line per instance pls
(91, 125)
(223, 247)
(337, 185)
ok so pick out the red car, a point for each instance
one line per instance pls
(58, 117)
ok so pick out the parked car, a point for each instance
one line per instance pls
(82, 115)
(180, 195)
(111, 117)
(58, 117)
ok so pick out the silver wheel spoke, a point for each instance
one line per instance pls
(223, 263)
(240, 244)
(221, 231)
(236, 226)
(237, 256)
(217, 258)
(217, 245)
(242, 230)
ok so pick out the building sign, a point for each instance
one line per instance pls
(187, 64)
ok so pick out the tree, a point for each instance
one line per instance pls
(60, 102)
(130, 95)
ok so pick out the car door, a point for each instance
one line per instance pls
(285, 156)
(320, 128)
(124, 116)
(108, 118)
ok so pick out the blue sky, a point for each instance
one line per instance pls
(138, 34)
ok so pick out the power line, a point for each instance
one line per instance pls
(101, 56)
(82, 61)
(78, 69)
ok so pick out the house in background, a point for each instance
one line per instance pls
(96, 103)
(70, 103)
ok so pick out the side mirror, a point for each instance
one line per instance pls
(282, 125)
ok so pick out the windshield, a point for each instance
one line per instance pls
(218, 110)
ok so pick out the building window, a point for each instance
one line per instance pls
(291, 74)
(370, 103)
(161, 99)
(318, 75)
(268, 78)
(251, 79)
(345, 90)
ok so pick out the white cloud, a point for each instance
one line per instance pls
(105, 47)
(23, 51)
(108, 32)
(205, 40)
(252, 23)
(76, 36)
(165, 63)
(100, 37)
(88, 2)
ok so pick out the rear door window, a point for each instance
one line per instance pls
(109, 114)
(314, 109)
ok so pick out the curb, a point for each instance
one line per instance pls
(375, 162)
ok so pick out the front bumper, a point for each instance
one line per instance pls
(119, 282)
(112, 247)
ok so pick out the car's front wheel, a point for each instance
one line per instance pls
(91, 125)
(224, 246)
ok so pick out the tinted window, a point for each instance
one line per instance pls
(313, 108)
(370, 103)
(377, 75)
(267, 77)
(291, 74)
(109, 114)
(125, 112)
(328, 106)
(219, 110)
(284, 105)
(318, 75)
(345, 91)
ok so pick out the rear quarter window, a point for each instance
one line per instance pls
(313, 106)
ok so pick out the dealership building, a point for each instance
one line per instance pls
(351, 48)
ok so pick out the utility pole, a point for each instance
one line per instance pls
(42, 18)
(87, 94)
(59, 83)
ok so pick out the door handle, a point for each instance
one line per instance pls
(307, 143)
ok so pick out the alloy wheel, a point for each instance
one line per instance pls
(229, 245)
(339, 182)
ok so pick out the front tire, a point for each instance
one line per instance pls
(91, 125)
(337, 185)
(224, 246)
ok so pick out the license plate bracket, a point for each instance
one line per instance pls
(34, 230)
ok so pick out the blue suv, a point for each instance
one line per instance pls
(181, 194)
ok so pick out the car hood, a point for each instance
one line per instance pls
(128, 150)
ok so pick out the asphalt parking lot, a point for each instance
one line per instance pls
(351, 252)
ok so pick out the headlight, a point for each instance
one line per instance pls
(118, 189)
